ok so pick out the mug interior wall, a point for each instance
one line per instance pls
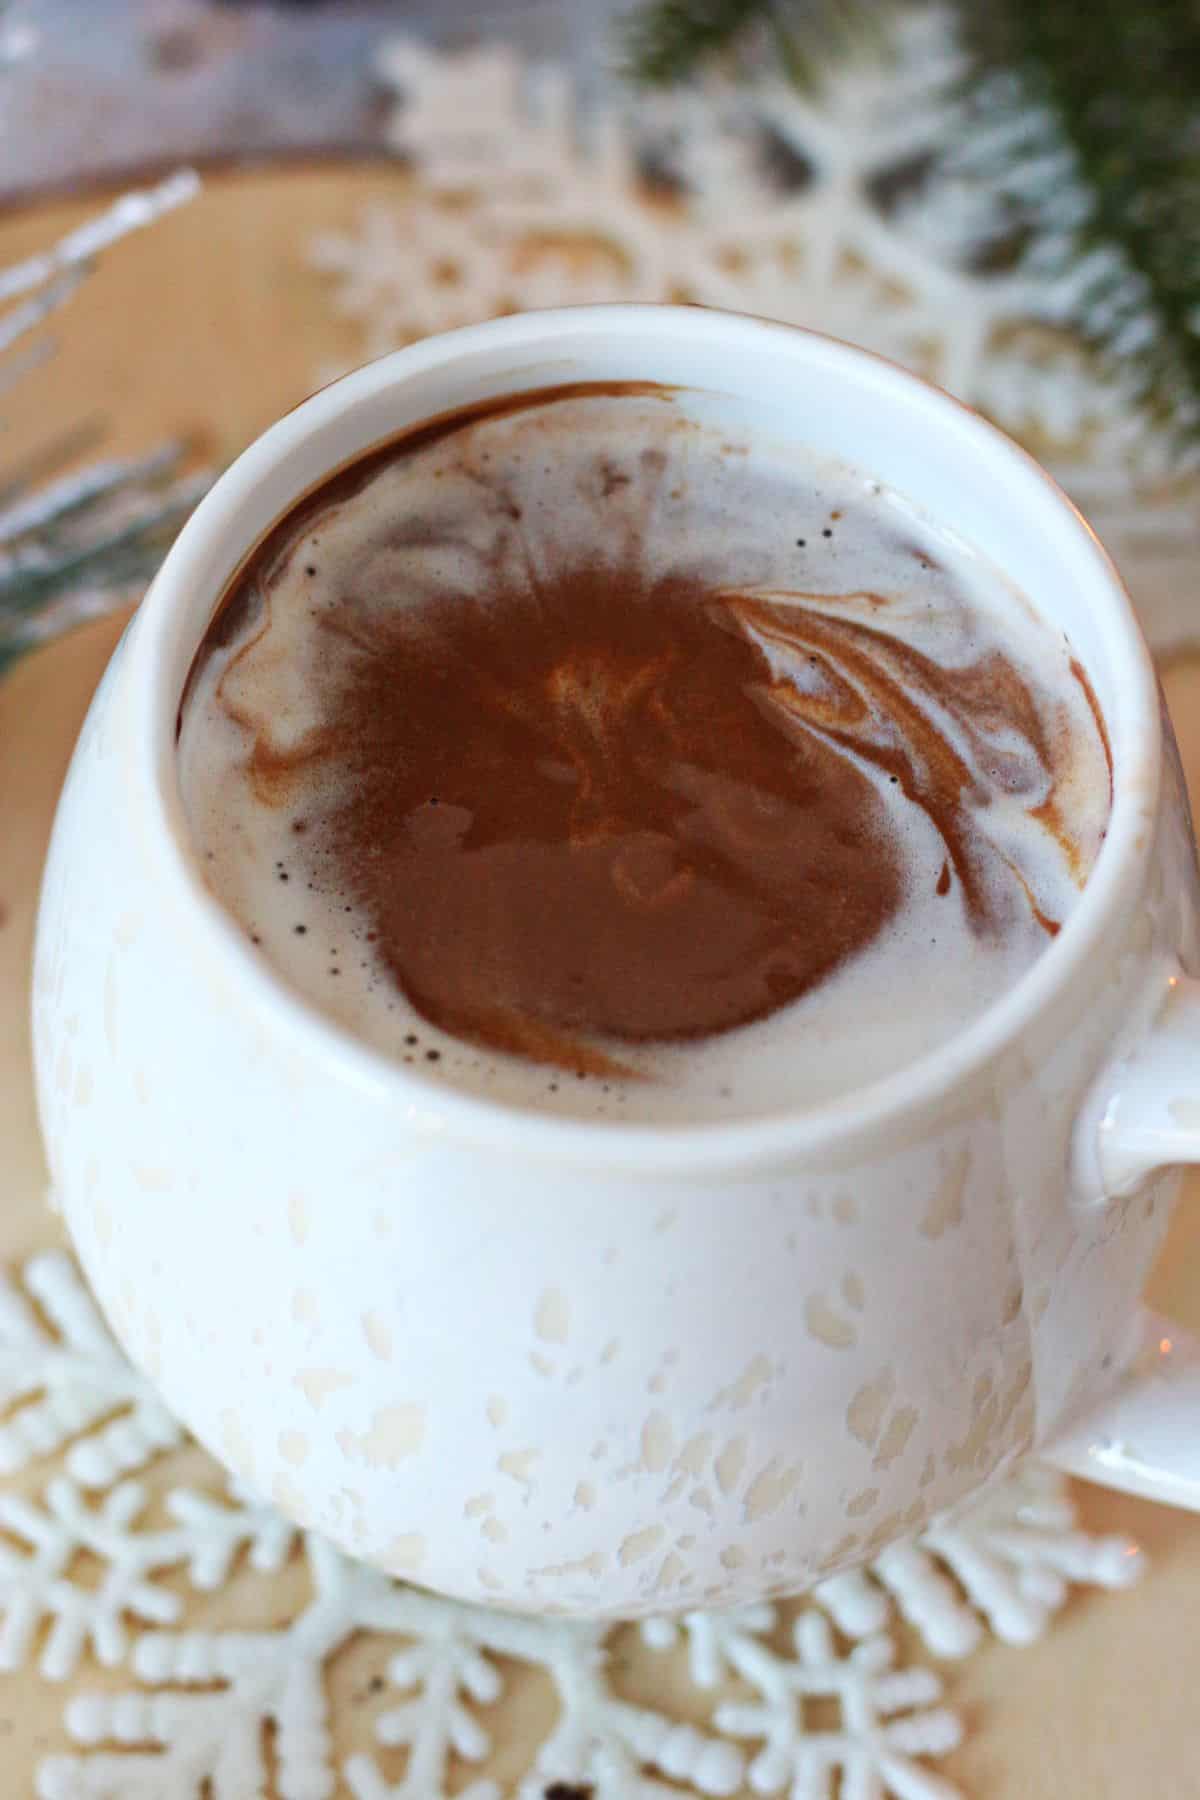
(856, 409)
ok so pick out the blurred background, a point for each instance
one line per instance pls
(99, 88)
(1004, 197)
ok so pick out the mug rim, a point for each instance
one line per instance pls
(678, 1148)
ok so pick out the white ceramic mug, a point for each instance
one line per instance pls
(600, 1368)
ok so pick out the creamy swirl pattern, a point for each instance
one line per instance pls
(578, 739)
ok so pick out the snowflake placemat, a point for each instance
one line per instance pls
(207, 1648)
(840, 211)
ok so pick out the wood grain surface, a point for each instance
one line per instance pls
(211, 326)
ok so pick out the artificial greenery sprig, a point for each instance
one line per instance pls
(1111, 183)
(1082, 115)
(668, 40)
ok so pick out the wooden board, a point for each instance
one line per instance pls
(211, 326)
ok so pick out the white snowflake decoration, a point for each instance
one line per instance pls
(82, 1575)
(887, 1716)
(600, 1742)
(886, 1720)
(274, 1677)
(446, 1664)
(1005, 1563)
(35, 1587)
(38, 1584)
(70, 1385)
(780, 206)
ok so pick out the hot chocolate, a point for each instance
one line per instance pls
(598, 755)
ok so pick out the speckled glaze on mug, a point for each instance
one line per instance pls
(602, 1369)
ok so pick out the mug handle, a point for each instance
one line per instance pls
(1142, 1115)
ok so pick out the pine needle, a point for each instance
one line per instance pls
(668, 41)
(1108, 174)
(1081, 116)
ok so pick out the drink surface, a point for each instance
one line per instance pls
(596, 755)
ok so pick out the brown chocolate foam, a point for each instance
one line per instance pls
(585, 820)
